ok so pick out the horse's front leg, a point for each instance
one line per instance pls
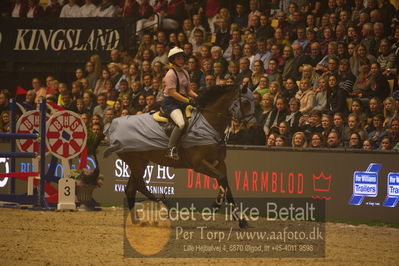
(220, 172)
(136, 183)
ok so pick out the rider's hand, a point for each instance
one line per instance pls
(192, 102)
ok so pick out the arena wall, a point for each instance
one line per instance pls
(260, 172)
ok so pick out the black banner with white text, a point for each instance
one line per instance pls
(61, 40)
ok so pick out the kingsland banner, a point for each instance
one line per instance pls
(65, 40)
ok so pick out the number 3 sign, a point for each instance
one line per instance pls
(66, 135)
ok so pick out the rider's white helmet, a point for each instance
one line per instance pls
(174, 52)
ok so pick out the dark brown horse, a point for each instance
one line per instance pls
(214, 105)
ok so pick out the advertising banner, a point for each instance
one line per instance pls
(61, 40)
(354, 186)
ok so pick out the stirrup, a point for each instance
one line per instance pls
(172, 153)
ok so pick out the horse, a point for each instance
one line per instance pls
(214, 105)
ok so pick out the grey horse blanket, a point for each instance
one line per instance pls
(143, 133)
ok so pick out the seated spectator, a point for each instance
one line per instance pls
(333, 140)
(281, 141)
(305, 95)
(336, 97)
(299, 140)
(124, 89)
(359, 55)
(340, 126)
(100, 84)
(276, 116)
(219, 72)
(106, 9)
(86, 119)
(320, 98)
(290, 88)
(358, 109)
(342, 51)
(29, 103)
(245, 72)
(5, 122)
(33, 9)
(161, 54)
(354, 125)
(346, 79)
(18, 9)
(257, 72)
(232, 70)
(139, 104)
(53, 9)
(387, 58)
(67, 102)
(284, 130)
(223, 34)
(316, 140)
(267, 106)
(88, 10)
(89, 102)
(294, 115)
(309, 73)
(262, 54)
(368, 145)
(272, 72)
(315, 55)
(332, 53)
(198, 41)
(151, 105)
(125, 112)
(326, 39)
(146, 17)
(368, 40)
(386, 144)
(298, 62)
(102, 105)
(263, 86)
(390, 111)
(313, 125)
(355, 141)
(271, 140)
(79, 106)
(374, 107)
(71, 10)
(380, 86)
(394, 131)
(301, 37)
(235, 40)
(115, 73)
(265, 30)
(77, 90)
(379, 132)
(274, 90)
(109, 115)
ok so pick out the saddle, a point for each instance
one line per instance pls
(169, 124)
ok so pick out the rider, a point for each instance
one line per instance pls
(176, 94)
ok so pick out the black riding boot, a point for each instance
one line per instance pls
(174, 138)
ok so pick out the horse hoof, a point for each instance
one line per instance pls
(242, 223)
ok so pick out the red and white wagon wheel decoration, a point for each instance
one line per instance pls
(66, 135)
(29, 123)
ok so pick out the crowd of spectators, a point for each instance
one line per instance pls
(323, 74)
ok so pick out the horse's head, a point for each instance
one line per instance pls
(243, 106)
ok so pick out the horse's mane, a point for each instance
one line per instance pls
(210, 94)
